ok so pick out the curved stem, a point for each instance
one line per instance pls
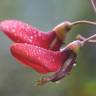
(94, 7)
(82, 38)
(89, 39)
(83, 22)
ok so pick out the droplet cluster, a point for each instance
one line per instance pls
(37, 56)
(21, 32)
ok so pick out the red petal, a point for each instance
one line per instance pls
(21, 32)
(40, 59)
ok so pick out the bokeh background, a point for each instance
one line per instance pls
(18, 80)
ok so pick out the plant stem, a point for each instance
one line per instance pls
(85, 40)
(94, 7)
(82, 38)
(83, 22)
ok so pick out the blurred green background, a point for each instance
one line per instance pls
(18, 80)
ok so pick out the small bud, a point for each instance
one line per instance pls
(62, 29)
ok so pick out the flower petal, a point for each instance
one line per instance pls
(40, 59)
(21, 32)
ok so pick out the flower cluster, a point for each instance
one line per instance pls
(42, 50)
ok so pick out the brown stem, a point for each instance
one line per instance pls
(94, 7)
(89, 39)
(83, 22)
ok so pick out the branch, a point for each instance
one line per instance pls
(93, 4)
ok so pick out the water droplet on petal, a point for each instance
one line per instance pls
(39, 50)
(34, 32)
(31, 37)
(30, 40)
(39, 34)
(7, 27)
(13, 30)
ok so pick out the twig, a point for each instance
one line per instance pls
(83, 22)
(94, 7)
(91, 39)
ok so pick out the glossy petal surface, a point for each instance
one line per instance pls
(21, 32)
(38, 58)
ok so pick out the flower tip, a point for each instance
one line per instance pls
(14, 49)
(6, 26)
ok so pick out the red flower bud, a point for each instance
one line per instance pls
(21, 32)
(40, 59)
(67, 65)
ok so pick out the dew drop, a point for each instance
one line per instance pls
(57, 82)
(74, 64)
(39, 34)
(39, 50)
(27, 29)
(30, 40)
(13, 30)
(31, 37)
(7, 27)
(34, 32)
